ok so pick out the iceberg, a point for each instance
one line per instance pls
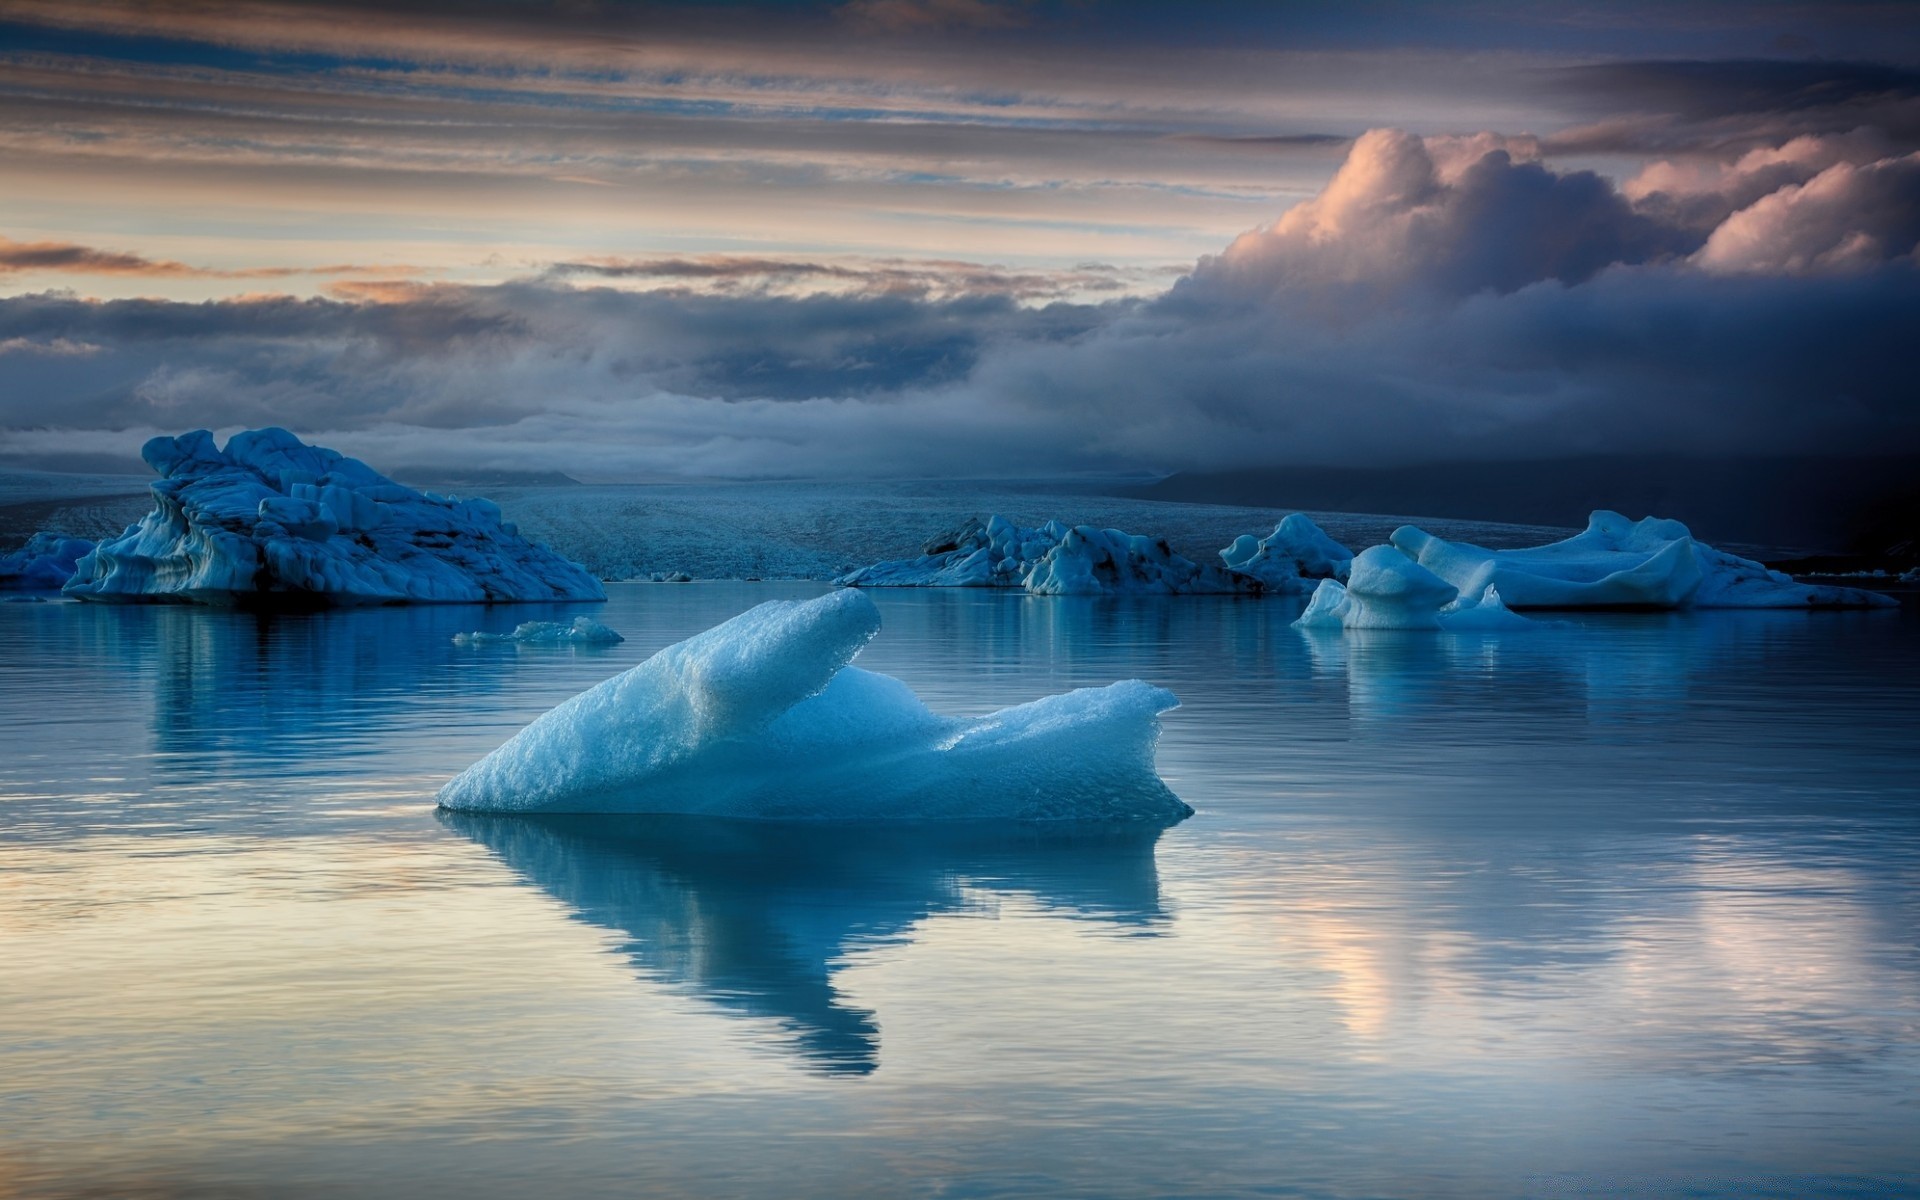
(1053, 559)
(1293, 558)
(45, 563)
(762, 717)
(270, 520)
(1618, 563)
(1386, 589)
(581, 631)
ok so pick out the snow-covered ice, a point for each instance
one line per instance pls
(1295, 557)
(1617, 563)
(581, 631)
(1054, 559)
(762, 716)
(273, 520)
(45, 563)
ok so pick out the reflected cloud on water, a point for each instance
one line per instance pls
(757, 917)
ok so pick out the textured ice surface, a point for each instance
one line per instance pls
(272, 520)
(762, 717)
(1054, 559)
(1293, 558)
(581, 631)
(44, 563)
(1615, 562)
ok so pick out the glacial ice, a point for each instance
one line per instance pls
(762, 716)
(581, 631)
(1293, 558)
(45, 563)
(271, 520)
(1617, 563)
(1053, 559)
(1385, 589)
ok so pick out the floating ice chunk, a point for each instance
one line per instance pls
(1293, 558)
(1326, 608)
(1387, 590)
(1104, 562)
(271, 520)
(762, 717)
(1617, 563)
(1053, 559)
(581, 631)
(45, 563)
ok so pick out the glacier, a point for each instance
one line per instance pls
(1295, 557)
(1619, 563)
(270, 520)
(45, 563)
(1054, 559)
(581, 631)
(761, 716)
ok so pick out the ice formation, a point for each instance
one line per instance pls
(762, 717)
(1052, 560)
(271, 520)
(1293, 558)
(45, 563)
(1385, 589)
(581, 631)
(1617, 563)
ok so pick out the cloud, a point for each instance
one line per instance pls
(1449, 215)
(1443, 298)
(58, 347)
(931, 278)
(916, 15)
(73, 259)
(67, 257)
(1847, 217)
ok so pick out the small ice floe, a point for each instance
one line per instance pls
(45, 563)
(581, 631)
(762, 716)
(1054, 559)
(1617, 563)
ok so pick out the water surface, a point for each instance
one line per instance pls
(1626, 904)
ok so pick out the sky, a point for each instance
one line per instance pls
(959, 238)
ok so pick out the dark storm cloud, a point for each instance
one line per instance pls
(1721, 107)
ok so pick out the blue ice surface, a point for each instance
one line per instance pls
(761, 716)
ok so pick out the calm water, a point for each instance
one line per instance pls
(1625, 905)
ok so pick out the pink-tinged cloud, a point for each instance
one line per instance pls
(1849, 217)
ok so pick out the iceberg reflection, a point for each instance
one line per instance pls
(755, 916)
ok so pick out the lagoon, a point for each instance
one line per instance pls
(1626, 903)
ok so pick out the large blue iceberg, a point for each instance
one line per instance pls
(273, 521)
(762, 717)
